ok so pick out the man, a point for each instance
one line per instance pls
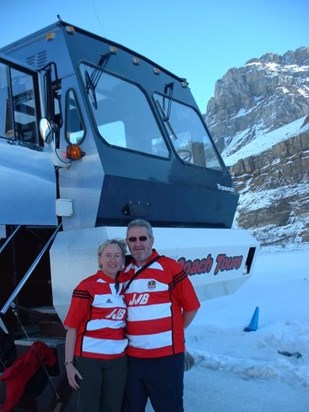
(161, 303)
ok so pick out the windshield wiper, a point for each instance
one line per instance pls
(90, 87)
(166, 119)
(168, 88)
(93, 80)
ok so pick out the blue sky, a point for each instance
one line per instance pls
(196, 39)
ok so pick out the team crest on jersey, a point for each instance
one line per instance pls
(152, 284)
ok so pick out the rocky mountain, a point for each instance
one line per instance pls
(259, 119)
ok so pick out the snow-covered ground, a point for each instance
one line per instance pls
(238, 371)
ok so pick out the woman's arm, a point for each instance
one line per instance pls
(72, 372)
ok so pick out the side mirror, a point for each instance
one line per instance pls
(46, 130)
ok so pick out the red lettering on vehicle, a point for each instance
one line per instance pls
(225, 263)
(198, 266)
(205, 265)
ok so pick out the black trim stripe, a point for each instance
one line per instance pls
(177, 278)
(82, 294)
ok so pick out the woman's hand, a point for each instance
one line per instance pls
(72, 374)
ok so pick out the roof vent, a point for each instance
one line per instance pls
(37, 61)
(31, 60)
(41, 59)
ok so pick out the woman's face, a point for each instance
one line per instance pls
(111, 260)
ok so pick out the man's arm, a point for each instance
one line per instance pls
(188, 317)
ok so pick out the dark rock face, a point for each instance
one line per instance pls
(259, 119)
(274, 187)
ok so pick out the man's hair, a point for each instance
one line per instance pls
(141, 223)
(119, 242)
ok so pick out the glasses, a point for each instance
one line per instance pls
(133, 239)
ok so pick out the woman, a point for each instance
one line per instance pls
(95, 341)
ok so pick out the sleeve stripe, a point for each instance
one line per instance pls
(178, 278)
(81, 294)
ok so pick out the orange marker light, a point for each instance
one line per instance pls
(74, 152)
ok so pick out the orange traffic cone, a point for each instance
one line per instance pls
(254, 322)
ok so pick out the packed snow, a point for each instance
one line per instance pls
(264, 141)
(266, 370)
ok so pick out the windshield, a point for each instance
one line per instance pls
(187, 133)
(122, 113)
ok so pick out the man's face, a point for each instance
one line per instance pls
(139, 243)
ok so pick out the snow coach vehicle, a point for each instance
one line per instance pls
(93, 135)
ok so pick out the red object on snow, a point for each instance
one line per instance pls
(23, 368)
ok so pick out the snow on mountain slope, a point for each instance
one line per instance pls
(263, 141)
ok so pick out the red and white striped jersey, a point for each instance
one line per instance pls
(155, 300)
(98, 312)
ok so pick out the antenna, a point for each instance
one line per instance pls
(98, 17)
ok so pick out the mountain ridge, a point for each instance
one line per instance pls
(259, 120)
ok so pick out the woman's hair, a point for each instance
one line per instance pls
(119, 242)
(141, 223)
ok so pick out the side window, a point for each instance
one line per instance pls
(17, 103)
(6, 118)
(74, 126)
(25, 117)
